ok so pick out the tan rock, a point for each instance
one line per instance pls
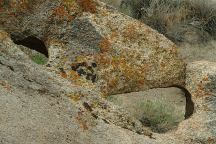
(115, 52)
(200, 82)
(102, 49)
(38, 106)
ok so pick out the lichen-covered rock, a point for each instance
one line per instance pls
(129, 55)
(201, 83)
(38, 106)
(91, 45)
(200, 128)
(88, 42)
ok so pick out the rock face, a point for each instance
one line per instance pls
(200, 82)
(93, 50)
(38, 106)
(96, 44)
(129, 55)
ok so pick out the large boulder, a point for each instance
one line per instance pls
(103, 49)
(129, 55)
(94, 45)
(38, 106)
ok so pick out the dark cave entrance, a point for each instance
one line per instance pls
(34, 44)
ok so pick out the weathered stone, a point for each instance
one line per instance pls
(38, 106)
(200, 82)
(91, 45)
(129, 56)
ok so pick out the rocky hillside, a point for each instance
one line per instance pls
(60, 60)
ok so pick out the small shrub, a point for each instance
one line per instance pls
(159, 116)
(39, 59)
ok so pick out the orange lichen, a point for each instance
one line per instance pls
(11, 8)
(82, 122)
(63, 74)
(123, 68)
(5, 85)
(87, 5)
(163, 64)
(104, 45)
(211, 140)
(114, 34)
(104, 12)
(50, 78)
(201, 91)
(206, 78)
(24, 4)
(76, 96)
(130, 71)
(130, 32)
(62, 13)
(102, 59)
(67, 10)
(74, 75)
(4, 36)
(51, 41)
(112, 83)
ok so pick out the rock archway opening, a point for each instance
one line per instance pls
(160, 109)
(33, 43)
(34, 48)
(189, 105)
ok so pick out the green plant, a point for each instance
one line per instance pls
(159, 116)
(39, 59)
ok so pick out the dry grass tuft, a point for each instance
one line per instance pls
(159, 116)
(179, 20)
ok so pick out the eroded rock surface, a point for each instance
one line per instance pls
(93, 51)
(92, 43)
(201, 83)
(38, 106)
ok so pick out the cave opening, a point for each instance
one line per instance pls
(33, 43)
